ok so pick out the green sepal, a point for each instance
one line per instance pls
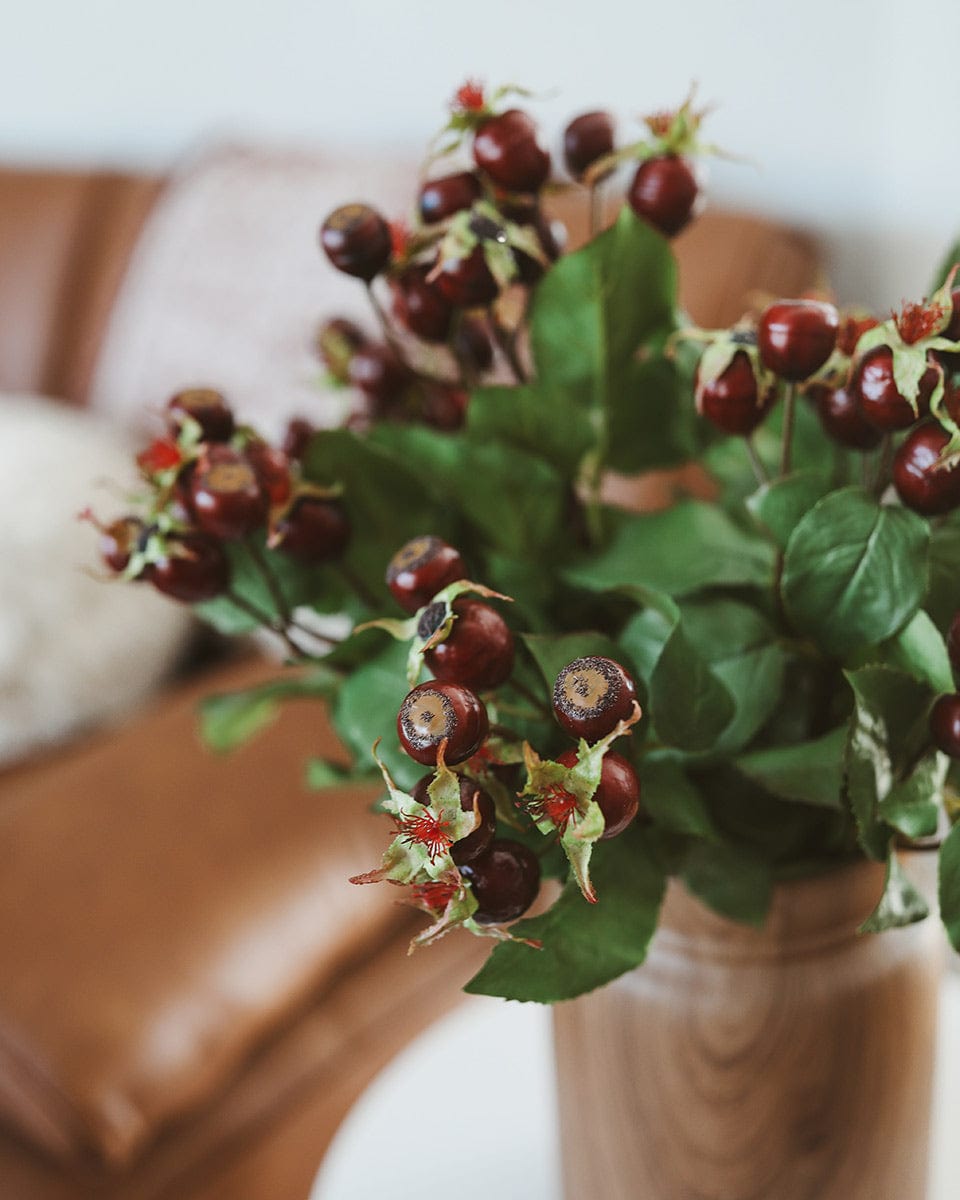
(901, 904)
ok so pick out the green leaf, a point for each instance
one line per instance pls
(552, 652)
(912, 806)
(901, 904)
(942, 594)
(677, 551)
(949, 885)
(947, 263)
(546, 421)
(321, 774)
(780, 504)
(918, 649)
(584, 945)
(854, 572)
(674, 801)
(657, 398)
(231, 718)
(730, 880)
(366, 709)
(807, 773)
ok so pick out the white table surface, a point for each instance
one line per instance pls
(492, 1126)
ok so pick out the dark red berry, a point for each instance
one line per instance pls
(436, 711)
(312, 530)
(337, 342)
(118, 540)
(531, 216)
(587, 138)
(194, 567)
(953, 642)
(379, 374)
(468, 282)
(880, 400)
(842, 419)
(421, 306)
(618, 792)
(472, 345)
(272, 469)
(444, 407)
(471, 794)
(945, 724)
(665, 191)
(505, 881)
(207, 407)
(796, 337)
(591, 696)
(507, 148)
(732, 401)
(420, 569)
(441, 198)
(357, 240)
(921, 484)
(226, 496)
(297, 437)
(478, 651)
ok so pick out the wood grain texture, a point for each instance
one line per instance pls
(791, 1063)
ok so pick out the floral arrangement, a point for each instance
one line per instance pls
(735, 690)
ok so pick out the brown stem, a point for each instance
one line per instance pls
(596, 209)
(507, 348)
(262, 619)
(884, 463)
(531, 696)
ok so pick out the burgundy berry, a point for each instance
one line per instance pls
(618, 792)
(586, 139)
(357, 240)
(337, 342)
(796, 337)
(921, 484)
(205, 406)
(441, 198)
(532, 217)
(471, 794)
(118, 540)
(194, 567)
(591, 696)
(731, 401)
(379, 374)
(226, 496)
(842, 419)
(880, 400)
(953, 642)
(478, 651)
(297, 437)
(313, 530)
(420, 569)
(945, 724)
(468, 282)
(434, 712)
(272, 469)
(505, 881)
(444, 406)
(472, 344)
(421, 306)
(507, 148)
(665, 191)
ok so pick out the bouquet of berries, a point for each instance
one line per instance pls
(735, 690)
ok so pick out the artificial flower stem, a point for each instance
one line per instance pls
(759, 470)
(596, 209)
(262, 619)
(528, 694)
(507, 348)
(789, 405)
(262, 565)
(884, 464)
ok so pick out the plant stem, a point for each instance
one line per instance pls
(507, 347)
(274, 626)
(467, 373)
(531, 696)
(269, 578)
(385, 325)
(884, 462)
(759, 470)
(789, 405)
(356, 583)
(596, 209)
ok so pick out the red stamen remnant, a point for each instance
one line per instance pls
(469, 97)
(918, 321)
(659, 123)
(851, 331)
(160, 455)
(425, 828)
(399, 238)
(435, 894)
(557, 804)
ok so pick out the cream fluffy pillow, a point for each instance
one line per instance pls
(73, 650)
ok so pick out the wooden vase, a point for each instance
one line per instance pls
(789, 1063)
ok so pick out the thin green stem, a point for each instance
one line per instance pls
(269, 578)
(884, 465)
(531, 696)
(357, 584)
(274, 626)
(759, 470)
(789, 407)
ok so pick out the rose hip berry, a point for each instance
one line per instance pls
(945, 724)
(357, 241)
(505, 881)
(193, 568)
(591, 696)
(379, 374)
(471, 794)
(420, 569)
(618, 792)
(796, 337)
(444, 406)
(587, 138)
(272, 468)
(467, 282)
(880, 399)
(226, 496)
(421, 306)
(297, 437)
(842, 419)
(665, 191)
(313, 530)
(507, 148)
(478, 652)
(433, 712)
(921, 484)
(732, 401)
(207, 407)
(337, 342)
(441, 198)
(118, 540)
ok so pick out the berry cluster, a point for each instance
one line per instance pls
(447, 848)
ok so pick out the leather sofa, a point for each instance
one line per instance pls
(191, 995)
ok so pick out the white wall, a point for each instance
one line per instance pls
(848, 108)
